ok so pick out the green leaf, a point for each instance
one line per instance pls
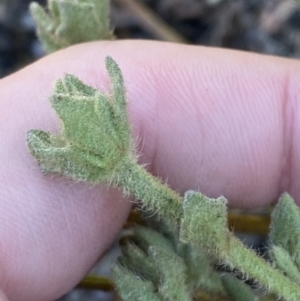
(285, 227)
(172, 271)
(55, 155)
(237, 289)
(200, 272)
(204, 221)
(71, 21)
(131, 287)
(147, 237)
(139, 263)
(95, 133)
(46, 29)
(283, 261)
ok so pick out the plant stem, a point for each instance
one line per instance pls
(154, 194)
(244, 259)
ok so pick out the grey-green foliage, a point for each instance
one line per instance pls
(283, 261)
(285, 237)
(95, 134)
(199, 212)
(68, 22)
(149, 256)
(200, 273)
(237, 289)
(142, 264)
(170, 268)
(133, 288)
(285, 227)
(209, 220)
(95, 145)
(204, 238)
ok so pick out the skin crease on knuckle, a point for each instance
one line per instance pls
(222, 122)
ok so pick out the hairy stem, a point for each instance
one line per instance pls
(154, 194)
(255, 267)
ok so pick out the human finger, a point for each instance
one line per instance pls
(222, 122)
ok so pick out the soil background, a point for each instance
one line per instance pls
(270, 27)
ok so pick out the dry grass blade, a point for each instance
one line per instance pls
(152, 22)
